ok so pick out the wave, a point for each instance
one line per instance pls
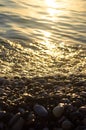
(19, 60)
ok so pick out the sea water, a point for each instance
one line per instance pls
(42, 37)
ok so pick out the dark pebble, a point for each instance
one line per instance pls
(40, 110)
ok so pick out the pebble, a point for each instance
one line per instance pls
(40, 110)
(67, 125)
(30, 118)
(14, 118)
(70, 114)
(21, 110)
(61, 119)
(77, 103)
(2, 113)
(76, 116)
(84, 121)
(42, 81)
(81, 128)
(58, 110)
(65, 100)
(31, 129)
(19, 124)
(45, 128)
(57, 128)
(2, 81)
(83, 93)
(83, 109)
(1, 125)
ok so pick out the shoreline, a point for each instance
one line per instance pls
(65, 58)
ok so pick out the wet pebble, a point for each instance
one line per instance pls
(21, 110)
(67, 125)
(2, 81)
(81, 128)
(83, 93)
(76, 117)
(65, 100)
(77, 103)
(83, 109)
(2, 114)
(31, 129)
(14, 119)
(84, 121)
(31, 118)
(1, 125)
(61, 119)
(18, 124)
(58, 110)
(46, 128)
(40, 110)
(55, 128)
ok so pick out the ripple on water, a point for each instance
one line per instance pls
(65, 58)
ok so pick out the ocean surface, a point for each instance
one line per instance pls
(42, 37)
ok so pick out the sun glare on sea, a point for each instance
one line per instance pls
(51, 8)
(51, 3)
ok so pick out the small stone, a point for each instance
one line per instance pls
(1, 125)
(27, 95)
(21, 110)
(46, 128)
(65, 100)
(67, 125)
(19, 124)
(76, 117)
(84, 121)
(6, 117)
(57, 128)
(83, 93)
(83, 109)
(2, 113)
(42, 81)
(31, 129)
(77, 103)
(14, 119)
(30, 118)
(61, 119)
(58, 111)
(81, 128)
(40, 110)
(2, 81)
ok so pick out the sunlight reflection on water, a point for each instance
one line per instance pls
(64, 19)
(38, 32)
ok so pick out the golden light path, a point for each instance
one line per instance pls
(53, 12)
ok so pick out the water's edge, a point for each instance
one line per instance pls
(65, 59)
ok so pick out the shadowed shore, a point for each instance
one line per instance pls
(21, 94)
